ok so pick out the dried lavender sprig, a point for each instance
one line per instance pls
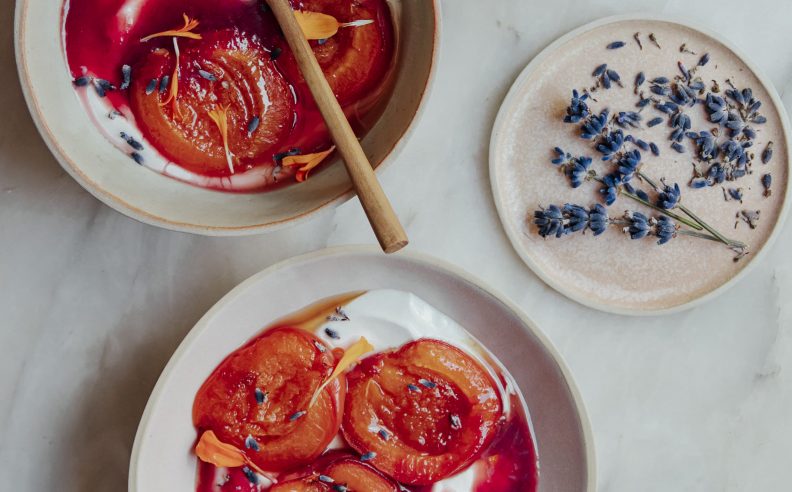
(561, 221)
(651, 205)
(696, 218)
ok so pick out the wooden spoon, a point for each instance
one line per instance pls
(378, 209)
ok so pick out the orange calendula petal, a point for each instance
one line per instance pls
(316, 25)
(351, 355)
(174, 82)
(183, 32)
(211, 450)
(309, 161)
(220, 117)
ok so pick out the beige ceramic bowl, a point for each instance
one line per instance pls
(161, 458)
(162, 201)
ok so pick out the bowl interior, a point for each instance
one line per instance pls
(148, 196)
(161, 458)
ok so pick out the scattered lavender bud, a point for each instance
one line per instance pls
(698, 183)
(261, 396)
(253, 125)
(207, 75)
(81, 81)
(126, 77)
(163, 86)
(102, 86)
(275, 53)
(678, 147)
(767, 153)
(705, 58)
(131, 141)
(368, 456)
(251, 475)
(736, 194)
(251, 443)
(599, 70)
(151, 86)
(653, 147)
(332, 333)
(615, 45)
(767, 180)
(427, 384)
(296, 415)
(136, 157)
(654, 122)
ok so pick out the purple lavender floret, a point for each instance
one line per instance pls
(579, 170)
(638, 227)
(706, 143)
(594, 125)
(665, 229)
(612, 183)
(550, 221)
(628, 119)
(610, 143)
(628, 165)
(669, 197)
(577, 109)
(717, 108)
(598, 219)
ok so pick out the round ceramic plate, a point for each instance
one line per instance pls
(161, 457)
(611, 272)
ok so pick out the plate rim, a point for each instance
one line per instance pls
(368, 250)
(514, 236)
(135, 212)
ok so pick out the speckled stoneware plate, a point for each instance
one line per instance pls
(611, 272)
(161, 457)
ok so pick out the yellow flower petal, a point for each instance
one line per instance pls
(184, 31)
(316, 25)
(351, 355)
(211, 450)
(309, 161)
(220, 117)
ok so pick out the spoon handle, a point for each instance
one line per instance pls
(378, 209)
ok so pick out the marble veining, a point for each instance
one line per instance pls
(92, 303)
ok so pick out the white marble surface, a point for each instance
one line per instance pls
(92, 303)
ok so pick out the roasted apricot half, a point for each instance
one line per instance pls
(355, 58)
(226, 71)
(356, 475)
(422, 412)
(308, 484)
(258, 399)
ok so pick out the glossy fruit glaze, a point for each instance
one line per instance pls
(241, 64)
(405, 418)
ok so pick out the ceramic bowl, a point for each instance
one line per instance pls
(162, 201)
(161, 457)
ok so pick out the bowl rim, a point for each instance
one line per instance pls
(137, 213)
(201, 326)
(514, 236)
